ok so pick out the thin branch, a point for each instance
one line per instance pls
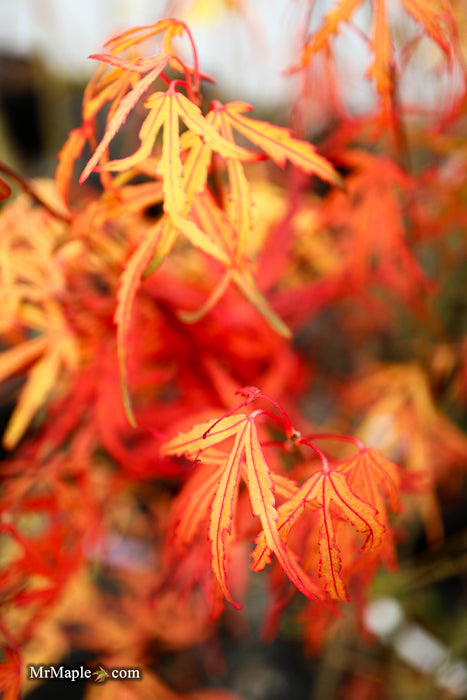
(31, 191)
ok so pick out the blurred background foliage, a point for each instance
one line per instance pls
(246, 45)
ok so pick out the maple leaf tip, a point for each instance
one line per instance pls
(83, 177)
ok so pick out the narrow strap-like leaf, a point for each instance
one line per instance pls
(260, 485)
(222, 511)
(192, 442)
(279, 144)
(124, 108)
(128, 286)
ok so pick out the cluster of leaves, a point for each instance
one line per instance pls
(134, 310)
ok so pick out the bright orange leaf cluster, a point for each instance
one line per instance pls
(205, 253)
(327, 491)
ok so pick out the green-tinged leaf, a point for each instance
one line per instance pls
(199, 239)
(216, 294)
(245, 283)
(101, 675)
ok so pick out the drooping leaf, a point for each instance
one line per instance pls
(246, 284)
(239, 205)
(222, 511)
(377, 480)
(260, 484)
(329, 492)
(15, 358)
(160, 239)
(192, 505)
(332, 492)
(40, 383)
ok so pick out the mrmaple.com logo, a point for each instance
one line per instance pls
(74, 674)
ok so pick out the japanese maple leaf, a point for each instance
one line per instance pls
(216, 493)
(122, 86)
(377, 480)
(329, 492)
(277, 142)
(165, 110)
(101, 675)
(235, 224)
(401, 414)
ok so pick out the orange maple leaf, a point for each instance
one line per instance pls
(329, 492)
(219, 489)
(276, 141)
(378, 481)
